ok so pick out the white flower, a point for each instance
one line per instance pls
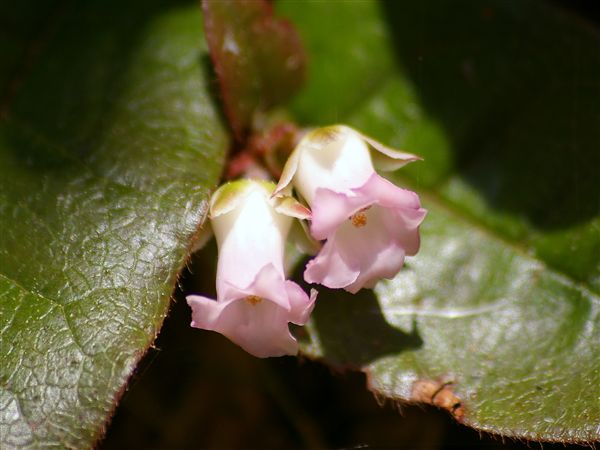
(254, 301)
(369, 224)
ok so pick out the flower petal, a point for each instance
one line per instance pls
(330, 268)
(301, 305)
(335, 158)
(268, 283)
(261, 329)
(289, 170)
(404, 212)
(403, 225)
(231, 195)
(291, 207)
(331, 209)
(250, 238)
(386, 158)
(387, 264)
(357, 256)
(387, 194)
(205, 311)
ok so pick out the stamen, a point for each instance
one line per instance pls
(359, 219)
(253, 299)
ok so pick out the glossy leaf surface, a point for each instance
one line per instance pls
(109, 149)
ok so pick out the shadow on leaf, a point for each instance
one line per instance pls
(353, 331)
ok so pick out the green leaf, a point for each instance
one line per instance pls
(258, 58)
(110, 149)
(502, 302)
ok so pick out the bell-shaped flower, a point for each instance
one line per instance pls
(369, 224)
(254, 301)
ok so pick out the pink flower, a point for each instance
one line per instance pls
(369, 224)
(254, 302)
